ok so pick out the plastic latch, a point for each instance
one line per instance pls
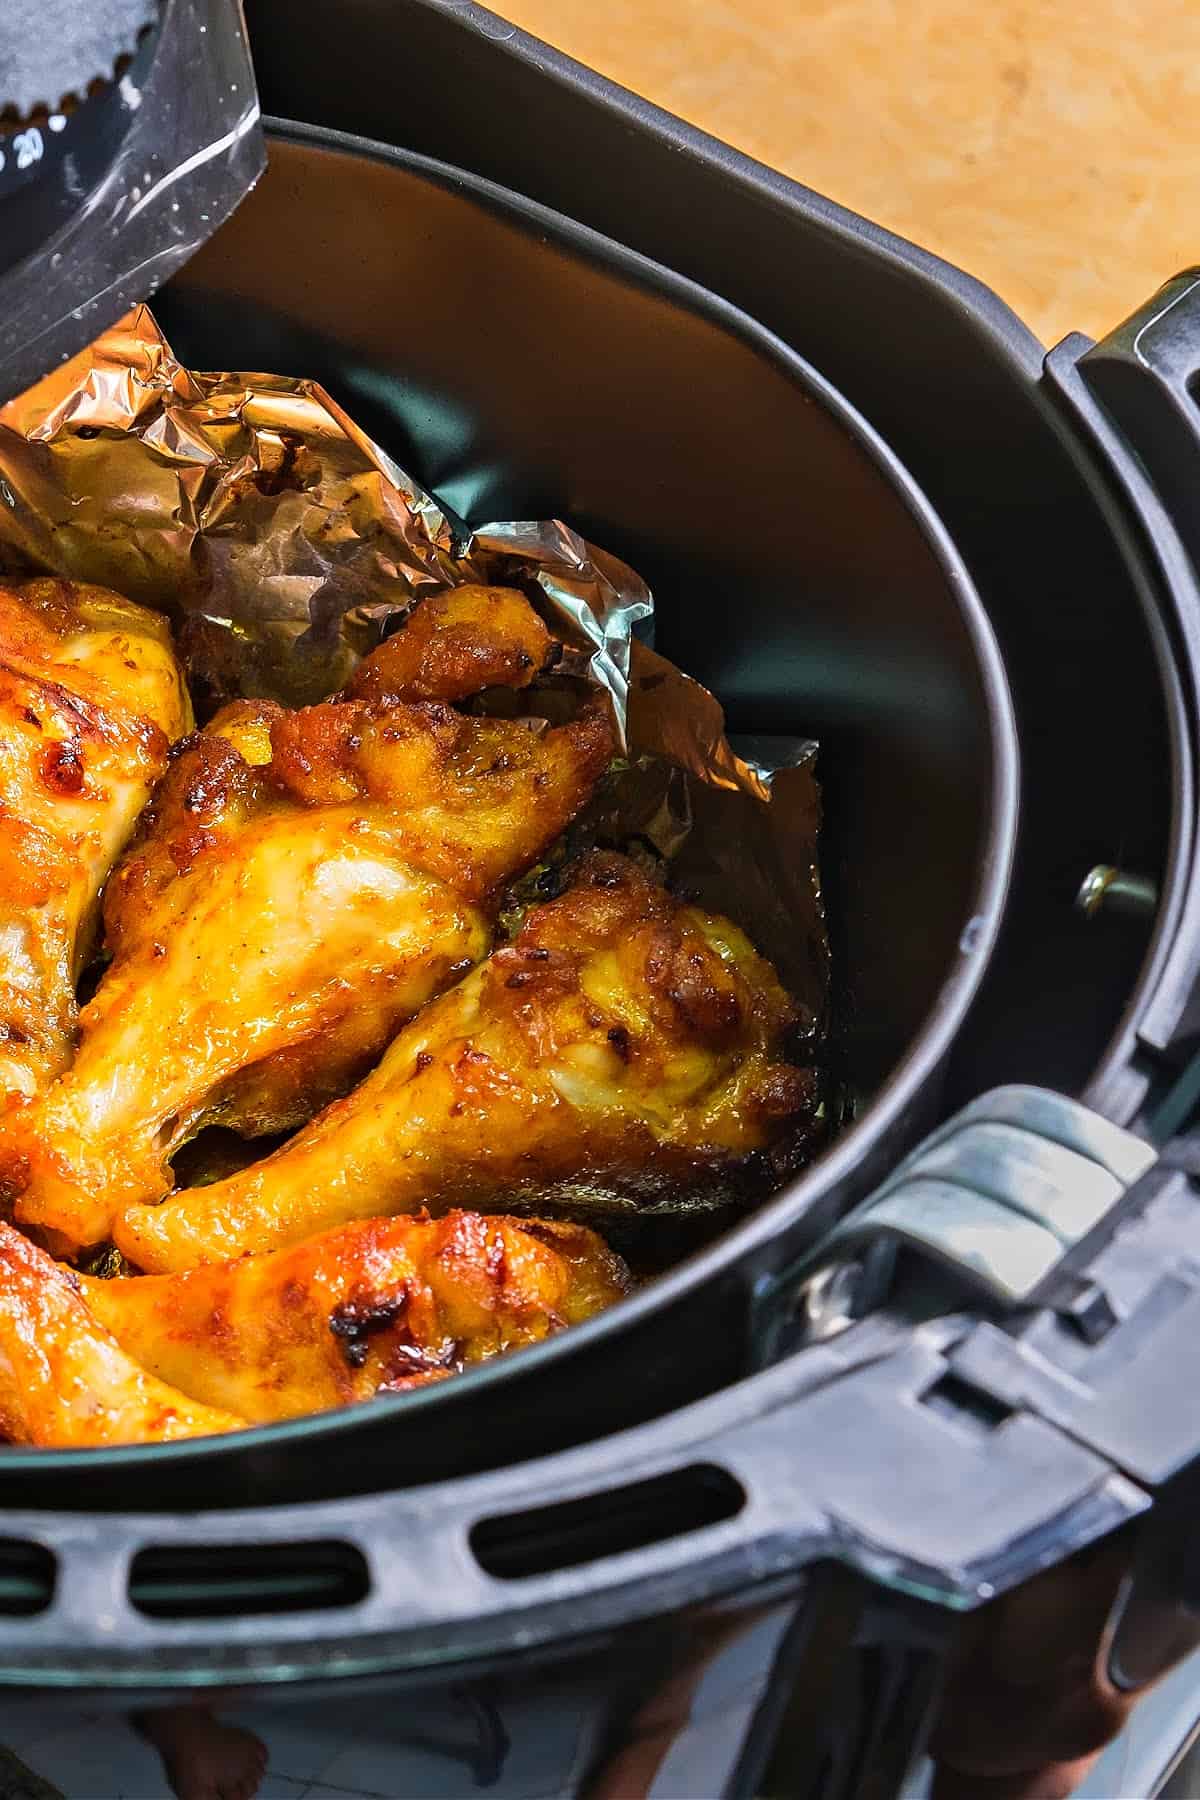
(1001, 1194)
(1121, 1389)
(1144, 374)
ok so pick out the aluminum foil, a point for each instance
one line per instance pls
(283, 543)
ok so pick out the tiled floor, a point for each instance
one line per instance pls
(375, 1747)
(498, 1740)
(363, 1748)
(101, 1757)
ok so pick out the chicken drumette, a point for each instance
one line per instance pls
(375, 1307)
(622, 1047)
(65, 1382)
(90, 698)
(303, 882)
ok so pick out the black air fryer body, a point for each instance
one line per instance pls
(715, 1543)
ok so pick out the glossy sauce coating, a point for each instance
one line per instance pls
(622, 1043)
(302, 883)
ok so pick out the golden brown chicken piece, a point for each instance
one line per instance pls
(90, 698)
(455, 644)
(277, 920)
(64, 1381)
(372, 1308)
(624, 1045)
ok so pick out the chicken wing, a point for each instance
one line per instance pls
(90, 697)
(374, 1307)
(624, 1045)
(64, 1380)
(302, 884)
(456, 644)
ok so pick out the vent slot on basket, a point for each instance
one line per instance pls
(515, 1545)
(219, 1581)
(966, 1404)
(27, 1577)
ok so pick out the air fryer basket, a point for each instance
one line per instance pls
(578, 381)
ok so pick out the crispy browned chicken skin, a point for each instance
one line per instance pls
(623, 1043)
(302, 883)
(375, 1307)
(90, 698)
(456, 644)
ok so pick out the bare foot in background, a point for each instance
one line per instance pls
(203, 1759)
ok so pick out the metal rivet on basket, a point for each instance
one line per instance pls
(1115, 890)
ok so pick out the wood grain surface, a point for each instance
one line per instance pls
(1051, 147)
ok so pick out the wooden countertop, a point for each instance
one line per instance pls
(1051, 147)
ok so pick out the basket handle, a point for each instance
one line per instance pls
(951, 1458)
